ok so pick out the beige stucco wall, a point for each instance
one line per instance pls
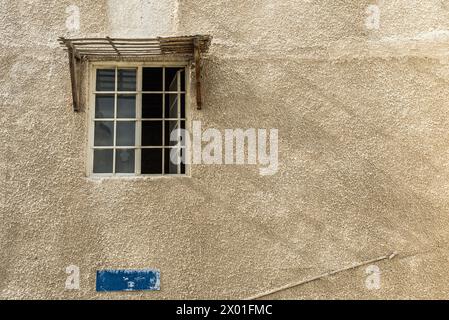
(363, 144)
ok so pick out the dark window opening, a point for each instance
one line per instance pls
(134, 126)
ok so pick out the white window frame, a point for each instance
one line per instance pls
(93, 67)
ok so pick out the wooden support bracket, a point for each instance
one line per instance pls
(74, 76)
(197, 57)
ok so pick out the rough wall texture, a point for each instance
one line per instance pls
(363, 125)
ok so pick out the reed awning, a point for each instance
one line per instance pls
(122, 49)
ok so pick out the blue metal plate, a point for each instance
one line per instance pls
(128, 280)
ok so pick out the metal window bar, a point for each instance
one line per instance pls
(138, 121)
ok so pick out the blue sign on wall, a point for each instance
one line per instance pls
(128, 280)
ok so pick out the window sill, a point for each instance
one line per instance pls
(99, 178)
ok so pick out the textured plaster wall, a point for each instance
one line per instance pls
(141, 18)
(363, 126)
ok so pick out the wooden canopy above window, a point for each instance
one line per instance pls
(120, 49)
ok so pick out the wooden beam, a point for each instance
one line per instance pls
(197, 56)
(84, 49)
(74, 79)
(113, 46)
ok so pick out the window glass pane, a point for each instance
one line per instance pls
(183, 106)
(152, 79)
(103, 160)
(183, 162)
(151, 133)
(172, 156)
(124, 161)
(171, 106)
(171, 126)
(104, 106)
(105, 79)
(151, 106)
(104, 133)
(126, 106)
(183, 127)
(183, 79)
(171, 79)
(126, 79)
(126, 133)
(151, 161)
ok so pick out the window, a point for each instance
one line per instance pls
(135, 111)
